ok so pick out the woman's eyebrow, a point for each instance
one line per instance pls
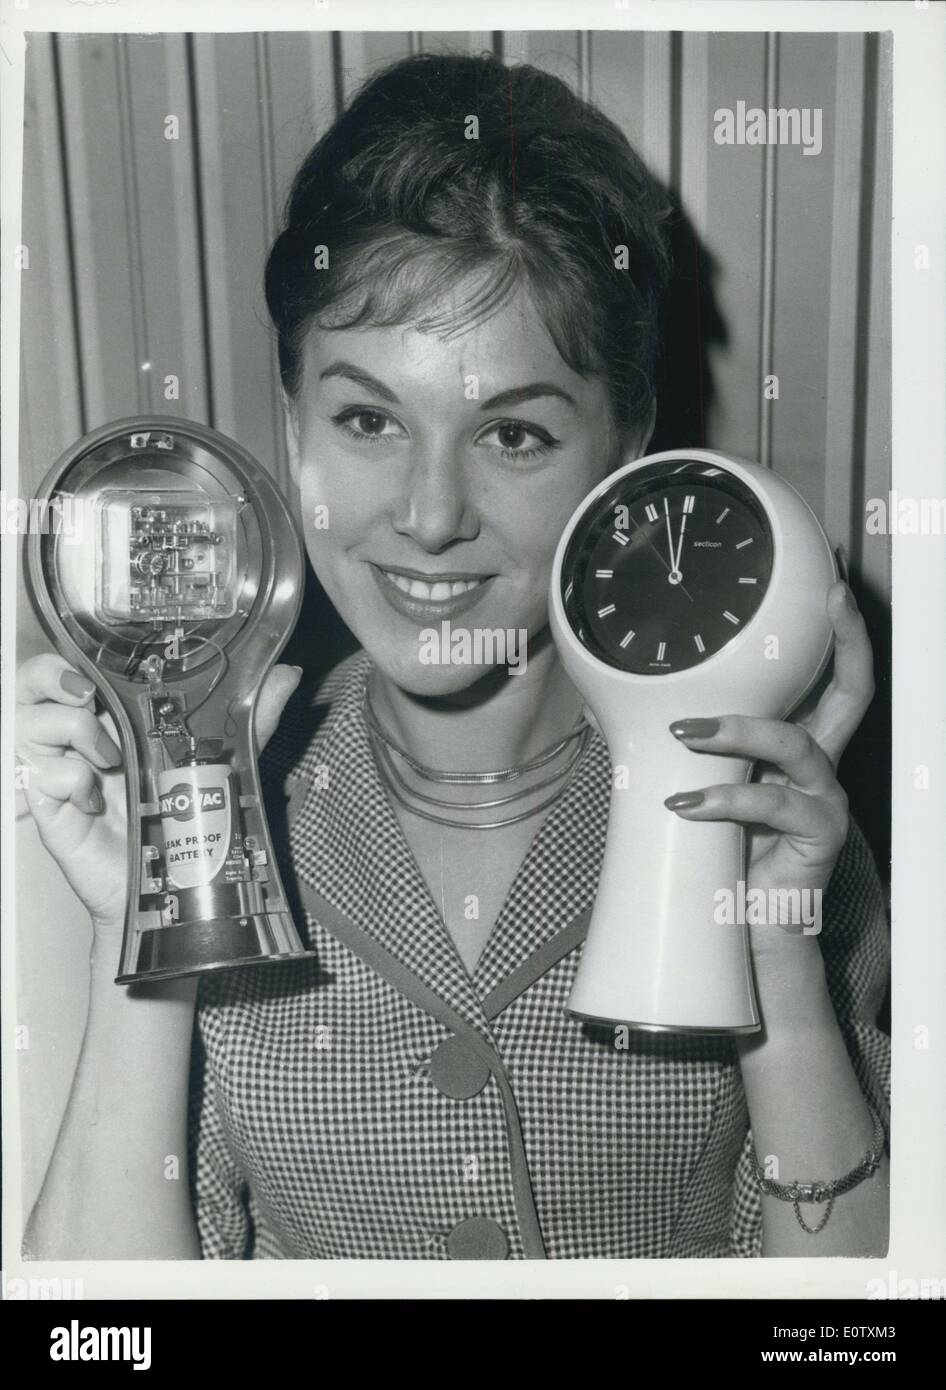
(361, 378)
(514, 396)
(517, 394)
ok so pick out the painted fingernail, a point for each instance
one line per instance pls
(695, 728)
(849, 599)
(74, 684)
(95, 804)
(107, 749)
(683, 801)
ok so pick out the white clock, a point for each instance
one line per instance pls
(688, 584)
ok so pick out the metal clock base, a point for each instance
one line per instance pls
(217, 944)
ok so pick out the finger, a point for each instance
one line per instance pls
(275, 692)
(853, 657)
(50, 677)
(54, 781)
(785, 809)
(851, 689)
(43, 728)
(789, 747)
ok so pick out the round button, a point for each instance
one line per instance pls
(478, 1238)
(456, 1071)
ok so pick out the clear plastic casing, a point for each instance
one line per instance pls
(165, 556)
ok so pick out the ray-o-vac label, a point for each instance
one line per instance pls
(195, 805)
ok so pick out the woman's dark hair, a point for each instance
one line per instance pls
(451, 169)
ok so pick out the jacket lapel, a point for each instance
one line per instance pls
(347, 844)
(559, 876)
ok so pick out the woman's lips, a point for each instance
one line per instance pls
(426, 600)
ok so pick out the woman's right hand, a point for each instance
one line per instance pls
(106, 1194)
(73, 783)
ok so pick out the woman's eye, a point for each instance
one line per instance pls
(514, 439)
(517, 440)
(368, 425)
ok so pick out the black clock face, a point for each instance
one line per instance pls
(667, 567)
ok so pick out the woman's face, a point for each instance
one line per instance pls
(436, 475)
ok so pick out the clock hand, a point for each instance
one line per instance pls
(659, 556)
(683, 527)
(669, 534)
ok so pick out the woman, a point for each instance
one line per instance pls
(465, 296)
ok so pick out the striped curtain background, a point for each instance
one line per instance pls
(146, 253)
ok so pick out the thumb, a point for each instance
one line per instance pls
(275, 691)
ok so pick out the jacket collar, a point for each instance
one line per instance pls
(348, 845)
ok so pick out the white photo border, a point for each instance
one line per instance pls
(917, 1247)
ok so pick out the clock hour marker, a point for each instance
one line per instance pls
(742, 543)
(650, 511)
(688, 502)
(699, 643)
(628, 637)
(620, 537)
(661, 651)
(730, 617)
(748, 581)
(603, 612)
(609, 574)
(723, 513)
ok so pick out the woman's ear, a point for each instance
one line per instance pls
(291, 425)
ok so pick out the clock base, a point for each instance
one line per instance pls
(665, 1027)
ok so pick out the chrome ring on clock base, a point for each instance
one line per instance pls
(707, 1031)
(221, 943)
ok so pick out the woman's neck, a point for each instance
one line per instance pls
(500, 721)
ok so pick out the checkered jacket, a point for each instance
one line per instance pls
(321, 1124)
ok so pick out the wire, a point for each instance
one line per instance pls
(221, 672)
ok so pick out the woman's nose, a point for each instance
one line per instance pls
(435, 508)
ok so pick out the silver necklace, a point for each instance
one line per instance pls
(470, 779)
(383, 746)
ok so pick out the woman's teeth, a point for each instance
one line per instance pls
(431, 593)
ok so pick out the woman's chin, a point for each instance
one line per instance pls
(433, 680)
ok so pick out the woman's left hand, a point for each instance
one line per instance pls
(795, 813)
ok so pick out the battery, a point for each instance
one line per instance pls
(196, 807)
